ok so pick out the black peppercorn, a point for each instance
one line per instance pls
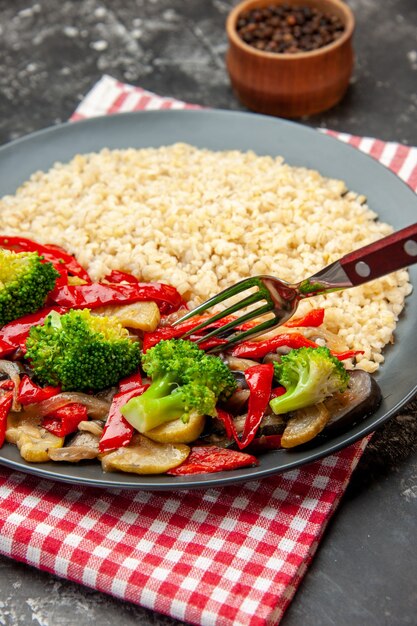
(289, 29)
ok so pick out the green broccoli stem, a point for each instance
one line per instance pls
(295, 397)
(156, 406)
(291, 401)
(161, 386)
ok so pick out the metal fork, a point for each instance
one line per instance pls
(280, 299)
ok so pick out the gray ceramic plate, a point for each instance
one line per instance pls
(216, 130)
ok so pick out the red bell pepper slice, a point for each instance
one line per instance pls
(7, 385)
(117, 431)
(6, 401)
(277, 391)
(258, 349)
(130, 382)
(50, 252)
(259, 379)
(348, 354)
(210, 459)
(65, 420)
(63, 278)
(174, 332)
(227, 422)
(30, 393)
(312, 318)
(98, 294)
(117, 276)
(213, 342)
(150, 339)
(14, 334)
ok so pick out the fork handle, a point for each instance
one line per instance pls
(381, 257)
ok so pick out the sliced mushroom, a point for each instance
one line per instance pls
(143, 456)
(84, 445)
(139, 315)
(236, 363)
(178, 431)
(95, 427)
(20, 422)
(36, 443)
(107, 394)
(362, 397)
(304, 425)
(96, 407)
(275, 357)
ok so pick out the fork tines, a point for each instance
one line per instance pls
(261, 294)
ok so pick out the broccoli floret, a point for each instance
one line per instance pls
(170, 355)
(81, 351)
(185, 380)
(309, 375)
(214, 374)
(25, 281)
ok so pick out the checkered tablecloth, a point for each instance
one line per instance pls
(225, 556)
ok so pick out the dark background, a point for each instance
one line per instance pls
(51, 53)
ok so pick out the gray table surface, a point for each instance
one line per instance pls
(51, 53)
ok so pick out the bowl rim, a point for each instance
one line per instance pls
(237, 41)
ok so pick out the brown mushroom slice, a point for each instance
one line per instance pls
(35, 444)
(236, 363)
(18, 423)
(304, 425)
(83, 446)
(178, 431)
(139, 315)
(143, 456)
(275, 357)
(95, 427)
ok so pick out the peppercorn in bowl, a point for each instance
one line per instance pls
(290, 58)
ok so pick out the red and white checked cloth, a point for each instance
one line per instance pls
(228, 556)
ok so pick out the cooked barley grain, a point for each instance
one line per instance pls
(202, 220)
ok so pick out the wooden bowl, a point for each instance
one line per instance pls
(291, 85)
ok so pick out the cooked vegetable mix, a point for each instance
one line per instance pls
(96, 371)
